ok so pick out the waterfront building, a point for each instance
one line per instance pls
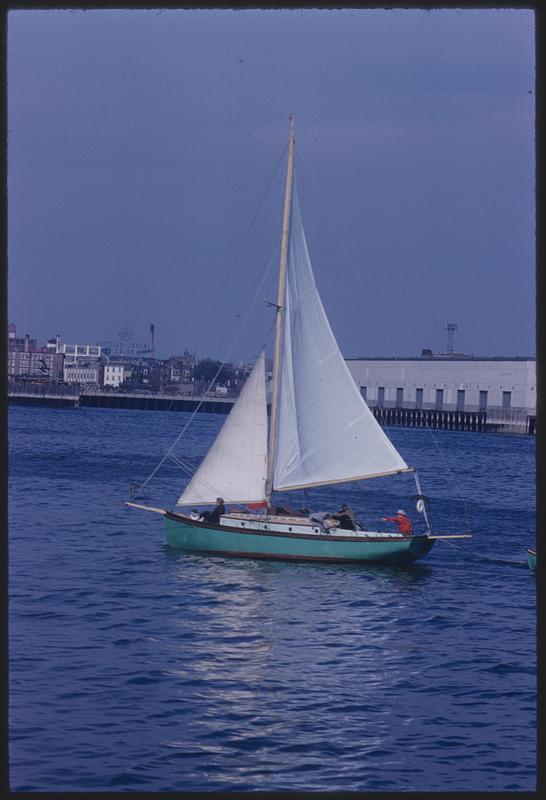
(19, 344)
(181, 367)
(83, 374)
(503, 388)
(26, 360)
(140, 376)
(116, 374)
(35, 363)
(238, 377)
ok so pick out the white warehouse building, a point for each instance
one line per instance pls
(501, 390)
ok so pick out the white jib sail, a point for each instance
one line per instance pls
(235, 466)
(326, 432)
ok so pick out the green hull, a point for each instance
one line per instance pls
(184, 534)
(532, 559)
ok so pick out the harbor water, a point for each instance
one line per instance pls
(134, 667)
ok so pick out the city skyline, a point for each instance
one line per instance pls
(146, 175)
(163, 353)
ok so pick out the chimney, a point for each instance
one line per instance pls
(151, 343)
(58, 344)
(27, 343)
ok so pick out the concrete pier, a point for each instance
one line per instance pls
(48, 394)
(442, 420)
(149, 401)
(53, 394)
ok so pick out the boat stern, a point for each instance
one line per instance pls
(420, 546)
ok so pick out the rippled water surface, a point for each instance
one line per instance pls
(135, 667)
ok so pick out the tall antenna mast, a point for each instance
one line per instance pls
(151, 342)
(450, 327)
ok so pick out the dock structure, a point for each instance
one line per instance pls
(494, 421)
(44, 393)
(53, 394)
(439, 420)
(516, 421)
(157, 401)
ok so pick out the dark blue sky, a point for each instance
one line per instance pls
(141, 143)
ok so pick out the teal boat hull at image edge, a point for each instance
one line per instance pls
(183, 536)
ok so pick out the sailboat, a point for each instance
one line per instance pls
(321, 432)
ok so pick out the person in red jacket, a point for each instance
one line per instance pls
(402, 520)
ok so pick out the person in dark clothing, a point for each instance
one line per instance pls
(345, 517)
(216, 513)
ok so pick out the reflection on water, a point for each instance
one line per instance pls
(292, 670)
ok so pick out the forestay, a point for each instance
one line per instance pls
(235, 466)
(326, 432)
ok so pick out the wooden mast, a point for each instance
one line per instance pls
(280, 311)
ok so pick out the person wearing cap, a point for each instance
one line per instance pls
(216, 513)
(345, 517)
(402, 520)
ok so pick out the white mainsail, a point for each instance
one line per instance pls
(326, 432)
(235, 466)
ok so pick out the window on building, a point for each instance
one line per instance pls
(399, 397)
(364, 391)
(460, 399)
(506, 399)
(439, 399)
(483, 400)
(419, 398)
(380, 396)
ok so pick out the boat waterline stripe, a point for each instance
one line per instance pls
(343, 480)
(291, 557)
